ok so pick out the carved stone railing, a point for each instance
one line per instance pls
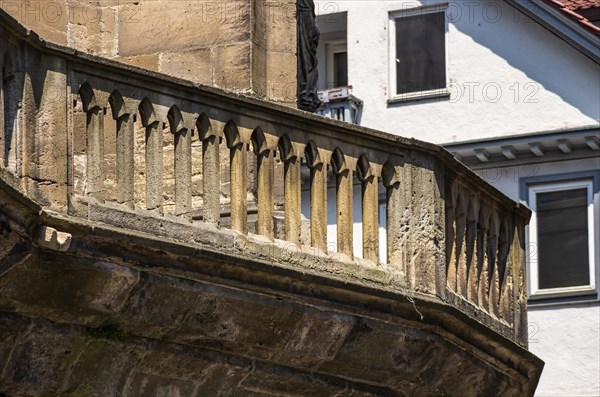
(81, 131)
(485, 255)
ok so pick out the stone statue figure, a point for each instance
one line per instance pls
(308, 40)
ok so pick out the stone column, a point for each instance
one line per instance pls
(125, 170)
(266, 200)
(211, 178)
(318, 204)
(370, 218)
(183, 173)
(95, 153)
(239, 186)
(154, 167)
(292, 194)
(519, 280)
(343, 169)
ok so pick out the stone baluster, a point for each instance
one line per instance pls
(474, 263)
(239, 178)
(124, 120)
(183, 164)
(292, 190)
(26, 142)
(491, 282)
(125, 164)
(499, 274)
(343, 169)
(506, 289)
(154, 156)
(211, 175)
(451, 202)
(464, 267)
(318, 196)
(460, 264)
(483, 239)
(266, 169)
(369, 179)
(518, 256)
(11, 93)
(94, 143)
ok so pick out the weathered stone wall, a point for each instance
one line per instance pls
(246, 46)
(109, 311)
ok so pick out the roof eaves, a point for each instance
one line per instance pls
(575, 13)
(560, 24)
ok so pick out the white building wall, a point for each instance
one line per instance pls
(490, 48)
(567, 335)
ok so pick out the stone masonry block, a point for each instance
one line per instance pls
(102, 368)
(176, 375)
(281, 15)
(195, 65)
(233, 321)
(278, 384)
(259, 70)
(53, 239)
(192, 25)
(146, 61)
(281, 76)
(80, 291)
(145, 312)
(316, 338)
(372, 349)
(93, 29)
(231, 66)
(40, 361)
(47, 18)
(143, 384)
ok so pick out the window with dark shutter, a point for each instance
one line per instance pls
(563, 238)
(562, 234)
(420, 52)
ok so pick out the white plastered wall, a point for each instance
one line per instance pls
(507, 75)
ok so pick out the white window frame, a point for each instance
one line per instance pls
(393, 16)
(332, 48)
(532, 253)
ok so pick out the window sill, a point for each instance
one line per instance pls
(416, 96)
(563, 301)
(568, 292)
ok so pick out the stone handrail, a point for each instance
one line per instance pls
(81, 130)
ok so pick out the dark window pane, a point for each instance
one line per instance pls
(563, 239)
(340, 69)
(420, 53)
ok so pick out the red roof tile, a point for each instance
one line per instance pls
(585, 12)
(580, 4)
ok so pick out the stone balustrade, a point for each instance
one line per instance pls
(80, 132)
